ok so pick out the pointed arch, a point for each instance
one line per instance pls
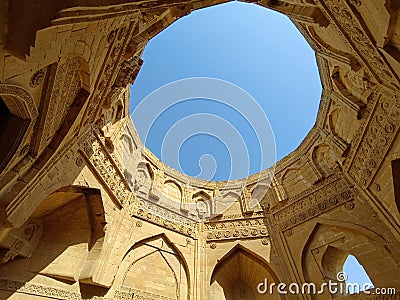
(72, 221)
(144, 165)
(289, 172)
(329, 244)
(323, 159)
(156, 267)
(293, 180)
(333, 120)
(201, 195)
(202, 200)
(238, 273)
(18, 116)
(228, 203)
(173, 190)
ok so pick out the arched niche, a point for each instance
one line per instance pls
(154, 268)
(324, 159)
(128, 146)
(203, 204)
(118, 111)
(333, 121)
(143, 180)
(129, 163)
(354, 85)
(172, 190)
(201, 196)
(329, 245)
(258, 192)
(293, 181)
(238, 275)
(229, 203)
(72, 220)
(18, 114)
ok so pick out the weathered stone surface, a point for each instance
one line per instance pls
(88, 212)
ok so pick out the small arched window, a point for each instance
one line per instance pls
(342, 268)
(357, 279)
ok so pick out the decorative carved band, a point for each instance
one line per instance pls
(135, 294)
(56, 293)
(105, 167)
(183, 228)
(320, 201)
(39, 290)
(377, 138)
(29, 109)
(236, 229)
(350, 26)
(103, 164)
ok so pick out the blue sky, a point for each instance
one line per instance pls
(258, 50)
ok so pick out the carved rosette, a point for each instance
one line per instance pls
(36, 79)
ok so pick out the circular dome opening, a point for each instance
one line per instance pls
(254, 48)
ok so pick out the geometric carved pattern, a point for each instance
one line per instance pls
(109, 70)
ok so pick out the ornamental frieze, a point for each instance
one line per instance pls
(377, 138)
(38, 290)
(236, 229)
(116, 46)
(57, 293)
(189, 230)
(131, 293)
(320, 201)
(350, 26)
(105, 167)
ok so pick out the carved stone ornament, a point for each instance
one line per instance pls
(36, 79)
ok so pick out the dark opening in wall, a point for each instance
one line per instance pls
(396, 181)
(12, 129)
